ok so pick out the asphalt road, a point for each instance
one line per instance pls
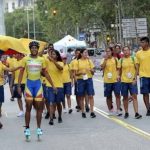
(75, 133)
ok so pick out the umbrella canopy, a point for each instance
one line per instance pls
(68, 42)
(7, 43)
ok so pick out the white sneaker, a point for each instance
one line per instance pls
(119, 113)
(21, 114)
(111, 113)
(64, 110)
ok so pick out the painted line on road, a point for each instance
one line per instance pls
(121, 122)
(124, 124)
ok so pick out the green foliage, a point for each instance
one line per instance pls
(70, 13)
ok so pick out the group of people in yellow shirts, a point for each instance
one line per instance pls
(46, 79)
(49, 77)
(121, 74)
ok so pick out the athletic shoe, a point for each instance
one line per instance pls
(118, 113)
(1, 125)
(126, 115)
(87, 108)
(120, 109)
(138, 116)
(148, 112)
(59, 120)
(77, 107)
(83, 115)
(39, 131)
(92, 115)
(70, 111)
(111, 112)
(64, 110)
(11, 99)
(51, 122)
(47, 115)
(27, 132)
(20, 114)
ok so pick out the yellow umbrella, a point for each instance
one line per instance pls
(7, 42)
(25, 42)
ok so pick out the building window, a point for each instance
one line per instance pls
(13, 5)
(6, 7)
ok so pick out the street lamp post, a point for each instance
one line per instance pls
(2, 25)
(28, 22)
(34, 20)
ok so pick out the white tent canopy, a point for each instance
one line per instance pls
(68, 42)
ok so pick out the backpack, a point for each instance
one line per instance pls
(132, 57)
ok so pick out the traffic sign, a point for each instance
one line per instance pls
(132, 28)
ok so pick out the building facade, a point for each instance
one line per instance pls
(11, 5)
(2, 25)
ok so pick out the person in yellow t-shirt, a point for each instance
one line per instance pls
(35, 67)
(143, 61)
(15, 76)
(2, 69)
(50, 47)
(111, 83)
(54, 66)
(84, 71)
(72, 64)
(128, 74)
(10, 63)
(68, 82)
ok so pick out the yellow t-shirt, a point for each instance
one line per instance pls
(143, 59)
(110, 70)
(34, 67)
(55, 74)
(82, 65)
(72, 64)
(127, 66)
(11, 63)
(2, 68)
(44, 80)
(66, 73)
(45, 56)
(17, 72)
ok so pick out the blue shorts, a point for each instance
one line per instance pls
(128, 87)
(1, 94)
(85, 87)
(44, 91)
(54, 98)
(110, 87)
(145, 85)
(67, 88)
(34, 90)
(15, 91)
(76, 88)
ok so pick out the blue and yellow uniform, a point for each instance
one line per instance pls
(33, 89)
